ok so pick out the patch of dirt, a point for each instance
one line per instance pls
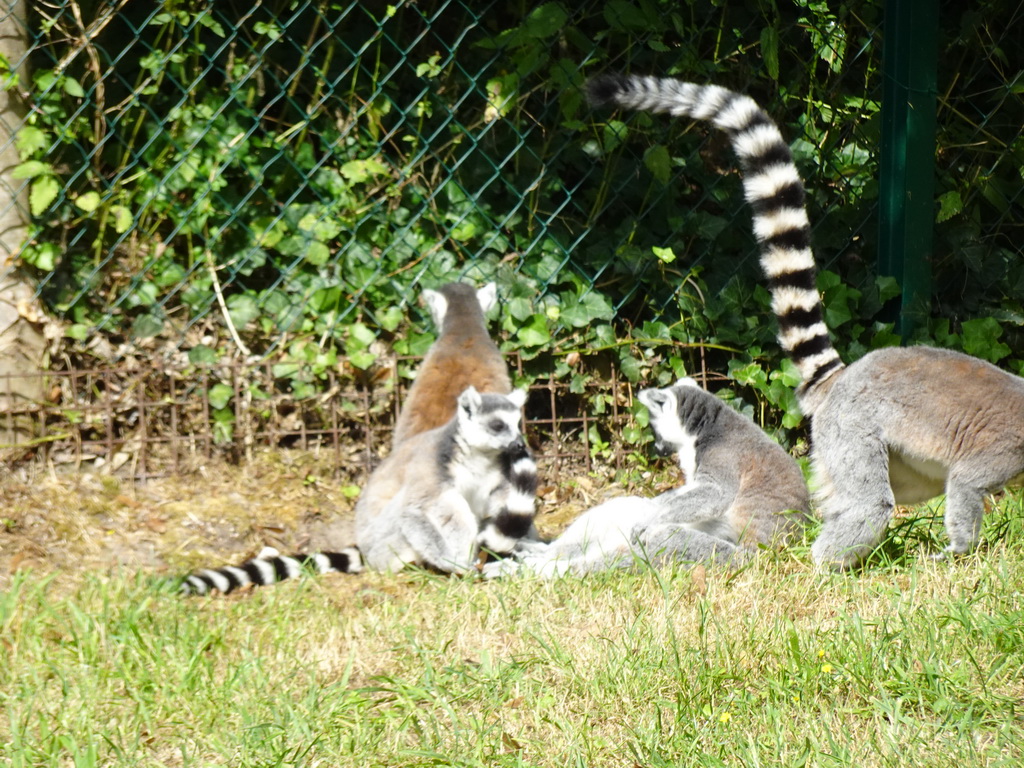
(72, 523)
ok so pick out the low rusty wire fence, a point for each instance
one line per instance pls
(151, 421)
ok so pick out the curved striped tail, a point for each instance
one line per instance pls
(772, 186)
(270, 567)
(514, 503)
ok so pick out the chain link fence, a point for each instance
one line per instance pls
(248, 197)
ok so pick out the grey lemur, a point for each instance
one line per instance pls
(899, 425)
(742, 492)
(446, 494)
(440, 499)
(463, 355)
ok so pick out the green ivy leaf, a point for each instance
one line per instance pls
(122, 218)
(223, 426)
(630, 367)
(43, 192)
(752, 375)
(322, 225)
(360, 336)
(270, 30)
(981, 339)
(390, 319)
(242, 308)
(362, 359)
(42, 256)
(78, 332)
(665, 255)
(545, 20)
(317, 253)
(950, 205)
(326, 299)
(284, 370)
(201, 354)
(580, 312)
(219, 396)
(146, 326)
(604, 334)
(788, 374)
(88, 201)
(357, 171)
(535, 333)
(30, 140)
(615, 132)
(658, 162)
(73, 88)
(888, 287)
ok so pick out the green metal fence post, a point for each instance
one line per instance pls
(907, 173)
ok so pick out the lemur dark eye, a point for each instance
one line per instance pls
(497, 426)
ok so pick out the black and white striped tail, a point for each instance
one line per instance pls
(774, 190)
(270, 567)
(516, 503)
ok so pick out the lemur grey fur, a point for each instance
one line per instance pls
(742, 492)
(446, 494)
(437, 501)
(899, 425)
(464, 355)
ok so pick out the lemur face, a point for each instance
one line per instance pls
(490, 421)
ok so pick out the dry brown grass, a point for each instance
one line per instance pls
(77, 523)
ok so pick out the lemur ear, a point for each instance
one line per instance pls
(686, 381)
(517, 397)
(656, 400)
(438, 306)
(487, 297)
(469, 400)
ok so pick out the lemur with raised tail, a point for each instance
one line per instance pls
(899, 425)
(743, 492)
(440, 499)
(463, 355)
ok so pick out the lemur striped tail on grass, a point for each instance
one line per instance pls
(441, 497)
(460, 479)
(899, 425)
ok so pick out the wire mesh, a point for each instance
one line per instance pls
(271, 183)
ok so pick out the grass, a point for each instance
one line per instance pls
(909, 663)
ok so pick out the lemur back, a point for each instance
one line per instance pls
(742, 492)
(464, 355)
(900, 425)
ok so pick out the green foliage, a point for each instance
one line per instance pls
(283, 180)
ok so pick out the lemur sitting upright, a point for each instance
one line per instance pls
(463, 355)
(437, 501)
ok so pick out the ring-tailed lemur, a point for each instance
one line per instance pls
(446, 494)
(900, 425)
(441, 497)
(742, 492)
(464, 355)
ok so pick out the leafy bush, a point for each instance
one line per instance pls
(223, 180)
